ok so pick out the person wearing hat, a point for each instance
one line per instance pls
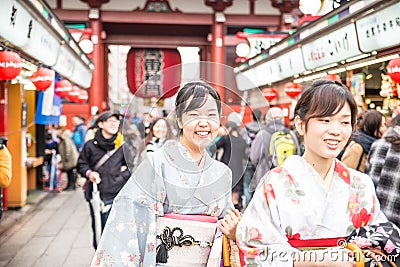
(102, 161)
(260, 154)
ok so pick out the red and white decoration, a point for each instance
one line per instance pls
(292, 89)
(10, 65)
(73, 95)
(393, 69)
(269, 93)
(62, 88)
(153, 72)
(42, 78)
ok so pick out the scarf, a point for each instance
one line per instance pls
(103, 143)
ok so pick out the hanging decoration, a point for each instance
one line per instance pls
(292, 89)
(10, 65)
(82, 97)
(73, 95)
(42, 78)
(153, 73)
(332, 77)
(269, 93)
(393, 69)
(62, 88)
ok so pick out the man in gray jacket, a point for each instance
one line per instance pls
(260, 154)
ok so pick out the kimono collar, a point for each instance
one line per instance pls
(179, 157)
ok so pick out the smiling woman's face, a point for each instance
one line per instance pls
(200, 126)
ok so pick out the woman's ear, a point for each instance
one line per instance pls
(180, 125)
(298, 123)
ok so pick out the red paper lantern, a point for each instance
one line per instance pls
(10, 65)
(82, 97)
(269, 93)
(62, 88)
(332, 77)
(292, 89)
(42, 78)
(73, 95)
(153, 72)
(393, 69)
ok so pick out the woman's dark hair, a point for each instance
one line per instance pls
(370, 123)
(325, 98)
(232, 126)
(199, 91)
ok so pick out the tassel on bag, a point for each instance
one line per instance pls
(162, 255)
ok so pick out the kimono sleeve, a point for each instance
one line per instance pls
(258, 234)
(129, 237)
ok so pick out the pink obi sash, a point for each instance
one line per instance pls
(185, 240)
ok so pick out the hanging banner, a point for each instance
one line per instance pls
(15, 23)
(54, 116)
(331, 48)
(379, 30)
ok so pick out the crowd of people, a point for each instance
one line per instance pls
(262, 184)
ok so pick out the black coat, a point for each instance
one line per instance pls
(112, 179)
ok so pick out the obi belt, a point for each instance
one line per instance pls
(184, 240)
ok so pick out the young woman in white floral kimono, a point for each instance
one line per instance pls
(315, 199)
(145, 227)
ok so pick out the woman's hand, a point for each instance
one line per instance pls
(228, 224)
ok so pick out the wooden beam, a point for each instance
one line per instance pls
(145, 41)
(140, 17)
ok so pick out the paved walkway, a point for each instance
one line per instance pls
(53, 230)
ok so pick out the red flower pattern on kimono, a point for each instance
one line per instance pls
(361, 219)
(353, 204)
(343, 172)
(254, 234)
(269, 193)
(295, 236)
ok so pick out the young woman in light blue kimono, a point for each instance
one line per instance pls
(179, 178)
(313, 200)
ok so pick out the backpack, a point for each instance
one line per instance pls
(281, 146)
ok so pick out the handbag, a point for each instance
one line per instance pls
(379, 243)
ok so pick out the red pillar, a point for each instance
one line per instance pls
(3, 127)
(218, 55)
(96, 92)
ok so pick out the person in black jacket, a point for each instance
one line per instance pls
(112, 175)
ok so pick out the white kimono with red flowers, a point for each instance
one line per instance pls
(168, 181)
(290, 203)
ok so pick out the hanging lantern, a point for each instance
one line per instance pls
(153, 72)
(332, 77)
(393, 69)
(292, 89)
(73, 95)
(42, 78)
(82, 97)
(10, 65)
(62, 88)
(269, 93)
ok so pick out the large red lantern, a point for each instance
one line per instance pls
(82, 97)
(42, 78)
(393, 69)
(62, 88)
(73, 95)
(10, 65)
(292, 89)
(269, 93)
(153, 72)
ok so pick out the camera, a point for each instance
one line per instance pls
(3, 142)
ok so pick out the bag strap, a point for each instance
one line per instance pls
(105, 157)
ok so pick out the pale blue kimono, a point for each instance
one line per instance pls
(167, 181)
